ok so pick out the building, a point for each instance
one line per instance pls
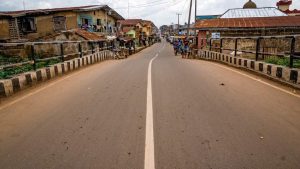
(130, 27)
(284, 6)
(149, 28)
(184, 28)
(206, 17)
(248, 21)
(137, 28)
(33, 24)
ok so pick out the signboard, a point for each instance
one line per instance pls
(216, 35)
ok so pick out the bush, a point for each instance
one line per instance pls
(283, 61)
(7, 73)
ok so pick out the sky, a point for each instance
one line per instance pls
(161, 12)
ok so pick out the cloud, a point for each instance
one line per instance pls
(159, 11)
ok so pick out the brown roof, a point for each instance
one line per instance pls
(261, 22)
(281, 2)
(88, 35)
(127, 29)
(46, 11)
(130, 22)
(295, 11)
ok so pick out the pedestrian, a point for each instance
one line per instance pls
(175, 46)
(186, 49)
(181, 48)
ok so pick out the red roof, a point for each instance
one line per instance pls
(295, 11)
(88, 35)
(284, 2)
(127, 29)
(261, 22)
(130, 22)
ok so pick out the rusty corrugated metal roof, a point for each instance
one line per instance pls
(43, 10)
(46, 11)
(130, 22)
(88, 35)
(259, 22)
(127, 29)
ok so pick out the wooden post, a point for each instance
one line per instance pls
(221, 45)
(62, 52)
(293, 45)
(92, 45)
(235, 47)
(257, 49)
(33, 56)
(80, 50)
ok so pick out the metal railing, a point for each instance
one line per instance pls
(292, 53)
(33, 59)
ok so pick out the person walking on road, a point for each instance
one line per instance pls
(175, 46)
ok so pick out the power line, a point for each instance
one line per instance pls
(159, 11)
(144, 5)
(128, 8)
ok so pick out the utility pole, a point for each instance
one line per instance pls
(106, 24)
(189, 21)
(178, 14)
(195, 15)
(195, 10)
(128, 8)
(24, 7)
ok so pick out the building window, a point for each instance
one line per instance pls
(59, 23)
(28, 25)
(98, 21)
(84, 21)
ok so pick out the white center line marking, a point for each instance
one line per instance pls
(149, 143)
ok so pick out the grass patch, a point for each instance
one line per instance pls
(283, 62)
(7, 73)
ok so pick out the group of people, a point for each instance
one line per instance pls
(181, 46)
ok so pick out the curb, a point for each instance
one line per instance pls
(278, 73)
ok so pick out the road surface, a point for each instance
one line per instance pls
(183, 114)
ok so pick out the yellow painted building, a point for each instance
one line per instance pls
(33, 24)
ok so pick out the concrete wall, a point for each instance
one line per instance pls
(4, 29)
(45, 26)
(99, 14)
(46, 50)
(147, 30)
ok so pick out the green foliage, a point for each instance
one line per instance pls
(9, 72)
(14, 59)
(47, 63)
(283, 61)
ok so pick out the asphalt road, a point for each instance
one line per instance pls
(96, 118)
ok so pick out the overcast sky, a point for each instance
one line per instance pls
(159, 11)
